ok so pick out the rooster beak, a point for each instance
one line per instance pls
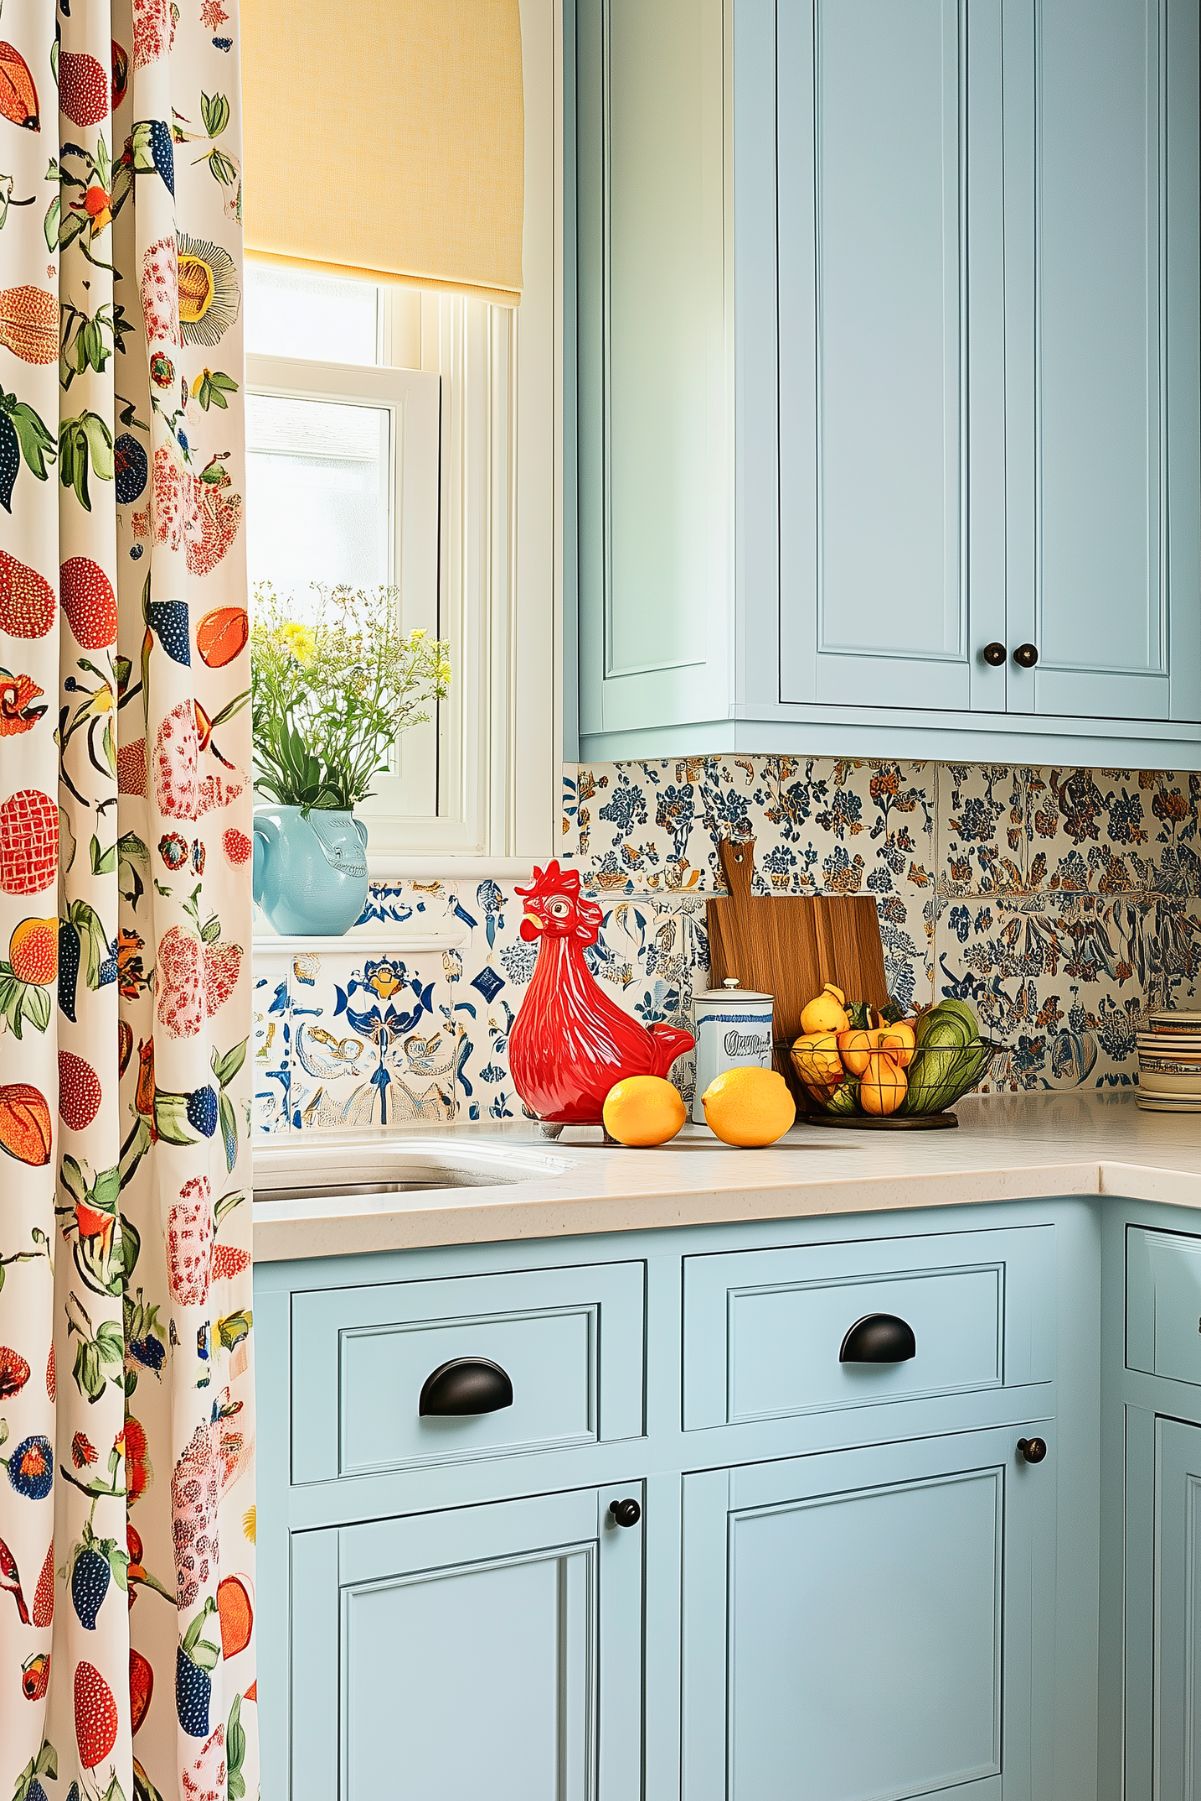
(530, 928)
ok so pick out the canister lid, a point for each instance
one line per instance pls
(730, 990)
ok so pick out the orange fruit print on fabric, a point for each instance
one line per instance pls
(127, 1333)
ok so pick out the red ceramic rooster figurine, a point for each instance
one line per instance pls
(570, 1042)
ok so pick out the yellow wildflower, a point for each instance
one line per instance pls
(301, 640)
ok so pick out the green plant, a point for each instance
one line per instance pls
(330, 698)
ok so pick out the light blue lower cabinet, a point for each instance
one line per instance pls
(873, 1623)
(845, 1582)
(1177, 1662)
(487, 1653)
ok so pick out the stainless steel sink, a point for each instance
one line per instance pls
(344, 1170)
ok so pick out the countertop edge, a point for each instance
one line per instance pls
(460, 1219)
(1012, 1148)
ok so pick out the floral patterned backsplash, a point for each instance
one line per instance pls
(1060, 902)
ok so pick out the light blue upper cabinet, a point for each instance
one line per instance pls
(889, 430)
(891, 355)
(654, 406)
(1102, 233)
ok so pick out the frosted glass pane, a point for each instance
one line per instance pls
(319, 498)
(292, 313)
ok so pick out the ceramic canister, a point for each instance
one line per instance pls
(733, 1027)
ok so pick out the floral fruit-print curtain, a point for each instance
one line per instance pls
(126, 1401)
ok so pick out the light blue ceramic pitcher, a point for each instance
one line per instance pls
(310, 869)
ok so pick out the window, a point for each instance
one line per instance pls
(412, 438)
(343, 467)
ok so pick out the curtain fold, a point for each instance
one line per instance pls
(126, 1396)
(410, 165)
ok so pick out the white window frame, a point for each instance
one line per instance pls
(495, 761)
(411, 399)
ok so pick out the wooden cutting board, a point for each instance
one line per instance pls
(790, 945)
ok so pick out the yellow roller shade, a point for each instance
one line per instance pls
(386, 139)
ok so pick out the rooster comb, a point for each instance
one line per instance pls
(566, 880)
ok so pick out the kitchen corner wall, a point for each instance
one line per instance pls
(1060, 902)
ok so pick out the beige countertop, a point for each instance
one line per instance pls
(1005, 1149)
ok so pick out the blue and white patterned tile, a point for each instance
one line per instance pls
(271, 1042)
(820, 825)
(408, 903)
(840, 827)
(1170, 951)
(1173, 808)
(640, 827)
(1113, 831)
(851, 827)
(1060, 901)
(981, 829)
(569, 821)
(496, 970)
(373, 1038)
(1056, 979)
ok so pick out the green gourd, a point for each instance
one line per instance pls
(843, 1098)
(948, 1051)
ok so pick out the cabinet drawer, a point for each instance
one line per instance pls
(1163, 1303)
(362, 1356)
(764, 1331)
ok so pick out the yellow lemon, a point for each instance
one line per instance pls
(749, 1106)
(643, 1110)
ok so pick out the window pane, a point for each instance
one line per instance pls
(319, 493)
(290, 312)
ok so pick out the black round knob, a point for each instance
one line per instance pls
(625, 1513)
(1026, 656)
(1033, 1450)
(994, 655)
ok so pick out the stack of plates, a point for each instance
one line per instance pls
(1169, 1063)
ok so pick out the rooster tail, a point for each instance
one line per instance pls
(670, 1042)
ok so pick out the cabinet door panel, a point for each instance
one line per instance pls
(875, 342)
(653, 413)
(1178, 1613)
(483, 1651)
(877, 1609)
(1102, 237)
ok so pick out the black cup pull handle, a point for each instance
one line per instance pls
(466, 1385)
(879, 1338)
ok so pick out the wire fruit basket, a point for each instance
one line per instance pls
(920, 1099)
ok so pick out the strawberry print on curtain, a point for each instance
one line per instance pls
(126, 1400)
